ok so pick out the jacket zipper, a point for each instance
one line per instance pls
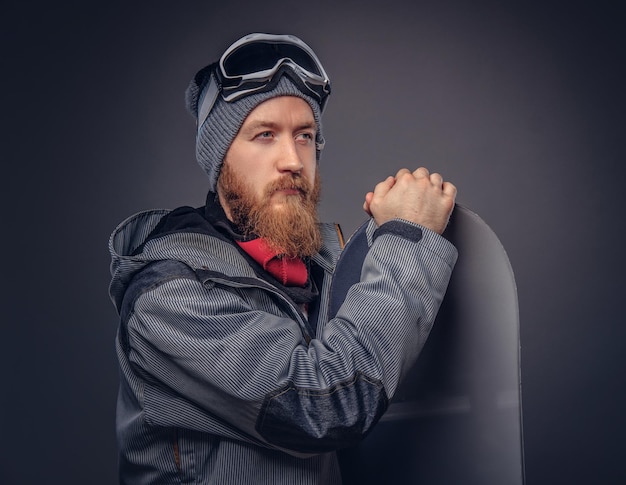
(176, 450)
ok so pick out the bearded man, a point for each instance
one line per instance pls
(232, 369)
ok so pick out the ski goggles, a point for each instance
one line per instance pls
(254, 64)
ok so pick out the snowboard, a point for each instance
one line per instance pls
(457, 416)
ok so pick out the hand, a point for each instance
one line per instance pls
(419, 197)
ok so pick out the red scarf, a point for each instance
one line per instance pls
(289, 271)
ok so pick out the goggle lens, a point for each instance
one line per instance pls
(262, 56)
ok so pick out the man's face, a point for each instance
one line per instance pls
(269, 185)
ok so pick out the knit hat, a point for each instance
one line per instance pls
(225, 119)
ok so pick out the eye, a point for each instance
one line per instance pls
(306, 137)
(265, 134)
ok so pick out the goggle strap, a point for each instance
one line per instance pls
(207, 100)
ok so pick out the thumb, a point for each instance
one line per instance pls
(368, 201)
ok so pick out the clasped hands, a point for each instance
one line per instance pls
(419, 197)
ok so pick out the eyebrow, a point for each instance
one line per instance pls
(256, 124)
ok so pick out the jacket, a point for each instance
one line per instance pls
(224, 379)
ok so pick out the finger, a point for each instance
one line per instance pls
(421, 172)
(449, 189)
(401, 172)
(383, 187)
(436, 179)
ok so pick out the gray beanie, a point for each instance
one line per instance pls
(225, 119)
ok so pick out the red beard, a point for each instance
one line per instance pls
(290, 228)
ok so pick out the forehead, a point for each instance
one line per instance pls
(282, 109)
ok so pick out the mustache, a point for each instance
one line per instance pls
(289, 182)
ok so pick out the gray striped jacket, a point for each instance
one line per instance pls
(221, 379)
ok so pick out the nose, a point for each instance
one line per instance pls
(289, 158)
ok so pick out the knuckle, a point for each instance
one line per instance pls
(404, 176)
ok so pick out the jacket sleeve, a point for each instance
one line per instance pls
(228, 359)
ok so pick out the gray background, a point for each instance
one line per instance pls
(521, 106)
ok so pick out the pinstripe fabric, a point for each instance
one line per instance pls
(220, 381)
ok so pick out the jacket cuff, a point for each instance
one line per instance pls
(400, 228)
(427, 238)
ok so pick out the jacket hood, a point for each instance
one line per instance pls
(185, 235)
(160, 234)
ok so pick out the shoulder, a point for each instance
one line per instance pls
(332, 245)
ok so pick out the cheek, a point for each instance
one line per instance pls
(311, 172)
(309, 163)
